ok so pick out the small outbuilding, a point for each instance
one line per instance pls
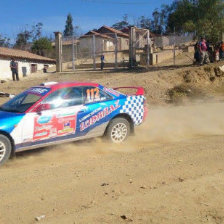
(27, 62)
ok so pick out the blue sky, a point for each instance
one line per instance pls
(88, 14)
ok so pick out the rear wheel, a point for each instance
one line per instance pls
(5, 149)
(118, 130)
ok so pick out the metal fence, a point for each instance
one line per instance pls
(114, 50)
(88, 51)
(171, 39)
(170, 46)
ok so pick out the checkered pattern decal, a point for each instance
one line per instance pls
(135, 108)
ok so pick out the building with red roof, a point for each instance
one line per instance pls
(27, 62)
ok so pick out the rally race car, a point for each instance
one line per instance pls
(53, 113)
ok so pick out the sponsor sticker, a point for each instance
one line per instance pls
(90, 114)
(112, 91)
(99, 116)
(44, 119)
(39, 91)
(52, 126)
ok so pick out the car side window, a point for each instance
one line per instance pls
(30, 98)
(65, 97)
(94, 94)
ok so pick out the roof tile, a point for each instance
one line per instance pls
(15, 53)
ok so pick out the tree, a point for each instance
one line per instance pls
(37, 31)
(180, 12)
(210, 22)
(22, 39)
(77, 31)
(122, 24)
(202, 17)
(28, 35)
(144, 23)
(41, 46)
(157, 22)
(69, 29)
(4, 41)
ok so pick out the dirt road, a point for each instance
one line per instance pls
(172, 171)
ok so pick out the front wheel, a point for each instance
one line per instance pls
(118, 130)
(5, 149)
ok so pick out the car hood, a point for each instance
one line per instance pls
(8, 120)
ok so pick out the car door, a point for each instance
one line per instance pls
(57, 119)
(99, 108)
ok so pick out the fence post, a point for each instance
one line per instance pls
(94, 52)
(148, 50)
(132, 47)
(116, 50)
(58, 49)
(73, 54)
(174, 50)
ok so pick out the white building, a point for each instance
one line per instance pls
(27, 62)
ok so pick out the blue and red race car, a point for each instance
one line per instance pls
(53, 113)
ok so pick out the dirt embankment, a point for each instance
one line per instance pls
(199, 83)
(163, 84)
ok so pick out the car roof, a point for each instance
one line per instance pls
(59, 85)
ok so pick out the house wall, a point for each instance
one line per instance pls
(85, 49)
(66, 53)
(86, 46)
(24, 68)
(108, 45)
(163, 41)
(124, 43)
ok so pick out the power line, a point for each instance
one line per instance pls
(116, 2)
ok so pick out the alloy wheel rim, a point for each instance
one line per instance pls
(2, 151)
(119, 132)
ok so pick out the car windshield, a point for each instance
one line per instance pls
(25, 100)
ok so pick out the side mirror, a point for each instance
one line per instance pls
(43, 107)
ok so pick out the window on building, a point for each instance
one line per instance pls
(33, 68)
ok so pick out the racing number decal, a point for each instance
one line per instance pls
(92, 94)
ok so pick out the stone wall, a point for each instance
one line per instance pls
(159, 57)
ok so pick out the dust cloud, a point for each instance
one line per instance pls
(163, 125)
(182, 122)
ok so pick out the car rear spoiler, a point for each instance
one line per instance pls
(139, 90)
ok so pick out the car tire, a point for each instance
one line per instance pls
(5, 149)
(118, 130)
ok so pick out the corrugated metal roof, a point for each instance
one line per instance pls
(14, 53)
